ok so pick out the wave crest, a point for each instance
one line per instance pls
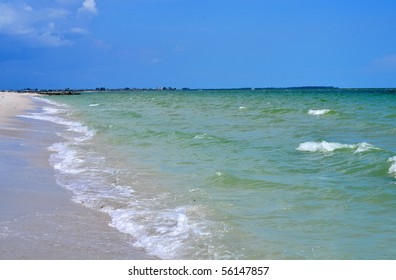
(318, 112)
(327, 147)
(392, 168)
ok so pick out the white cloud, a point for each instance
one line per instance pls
(14, 20)
(47, 23)
(88, 6)
(7, 16)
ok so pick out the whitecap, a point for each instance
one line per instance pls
(392, 168)
(364, 147)
(322, 146)
(318, 112)
(327, 147)
(201, 136)
(94, 105)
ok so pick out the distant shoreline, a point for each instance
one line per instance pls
(67, 91)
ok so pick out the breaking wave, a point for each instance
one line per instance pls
(318, 112)
(327, 147)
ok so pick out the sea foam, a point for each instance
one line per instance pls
(166, 236)
(392, 168)
(327, 147)
(51, 102)
(65, 159)
(318, 112)
(51, 114)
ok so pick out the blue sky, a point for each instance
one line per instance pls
(197, 43)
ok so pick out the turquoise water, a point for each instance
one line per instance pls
(254, 174)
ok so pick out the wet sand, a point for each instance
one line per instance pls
(38, 220)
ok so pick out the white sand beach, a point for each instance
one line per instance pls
(12, 103)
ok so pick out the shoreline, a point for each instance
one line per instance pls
(38, 220)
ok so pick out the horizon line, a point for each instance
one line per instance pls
(28, 89)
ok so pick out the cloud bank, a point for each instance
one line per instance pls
(45, 23)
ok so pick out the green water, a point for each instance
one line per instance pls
(264, 174)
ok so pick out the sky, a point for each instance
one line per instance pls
(197, 43)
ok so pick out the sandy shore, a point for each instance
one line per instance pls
(38, 220)
(12, 103)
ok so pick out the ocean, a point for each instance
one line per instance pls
(234, 174)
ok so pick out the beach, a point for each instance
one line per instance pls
(212, 174)
(38, 220)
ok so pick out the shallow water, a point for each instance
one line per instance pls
(37, 219)
(264, 174)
